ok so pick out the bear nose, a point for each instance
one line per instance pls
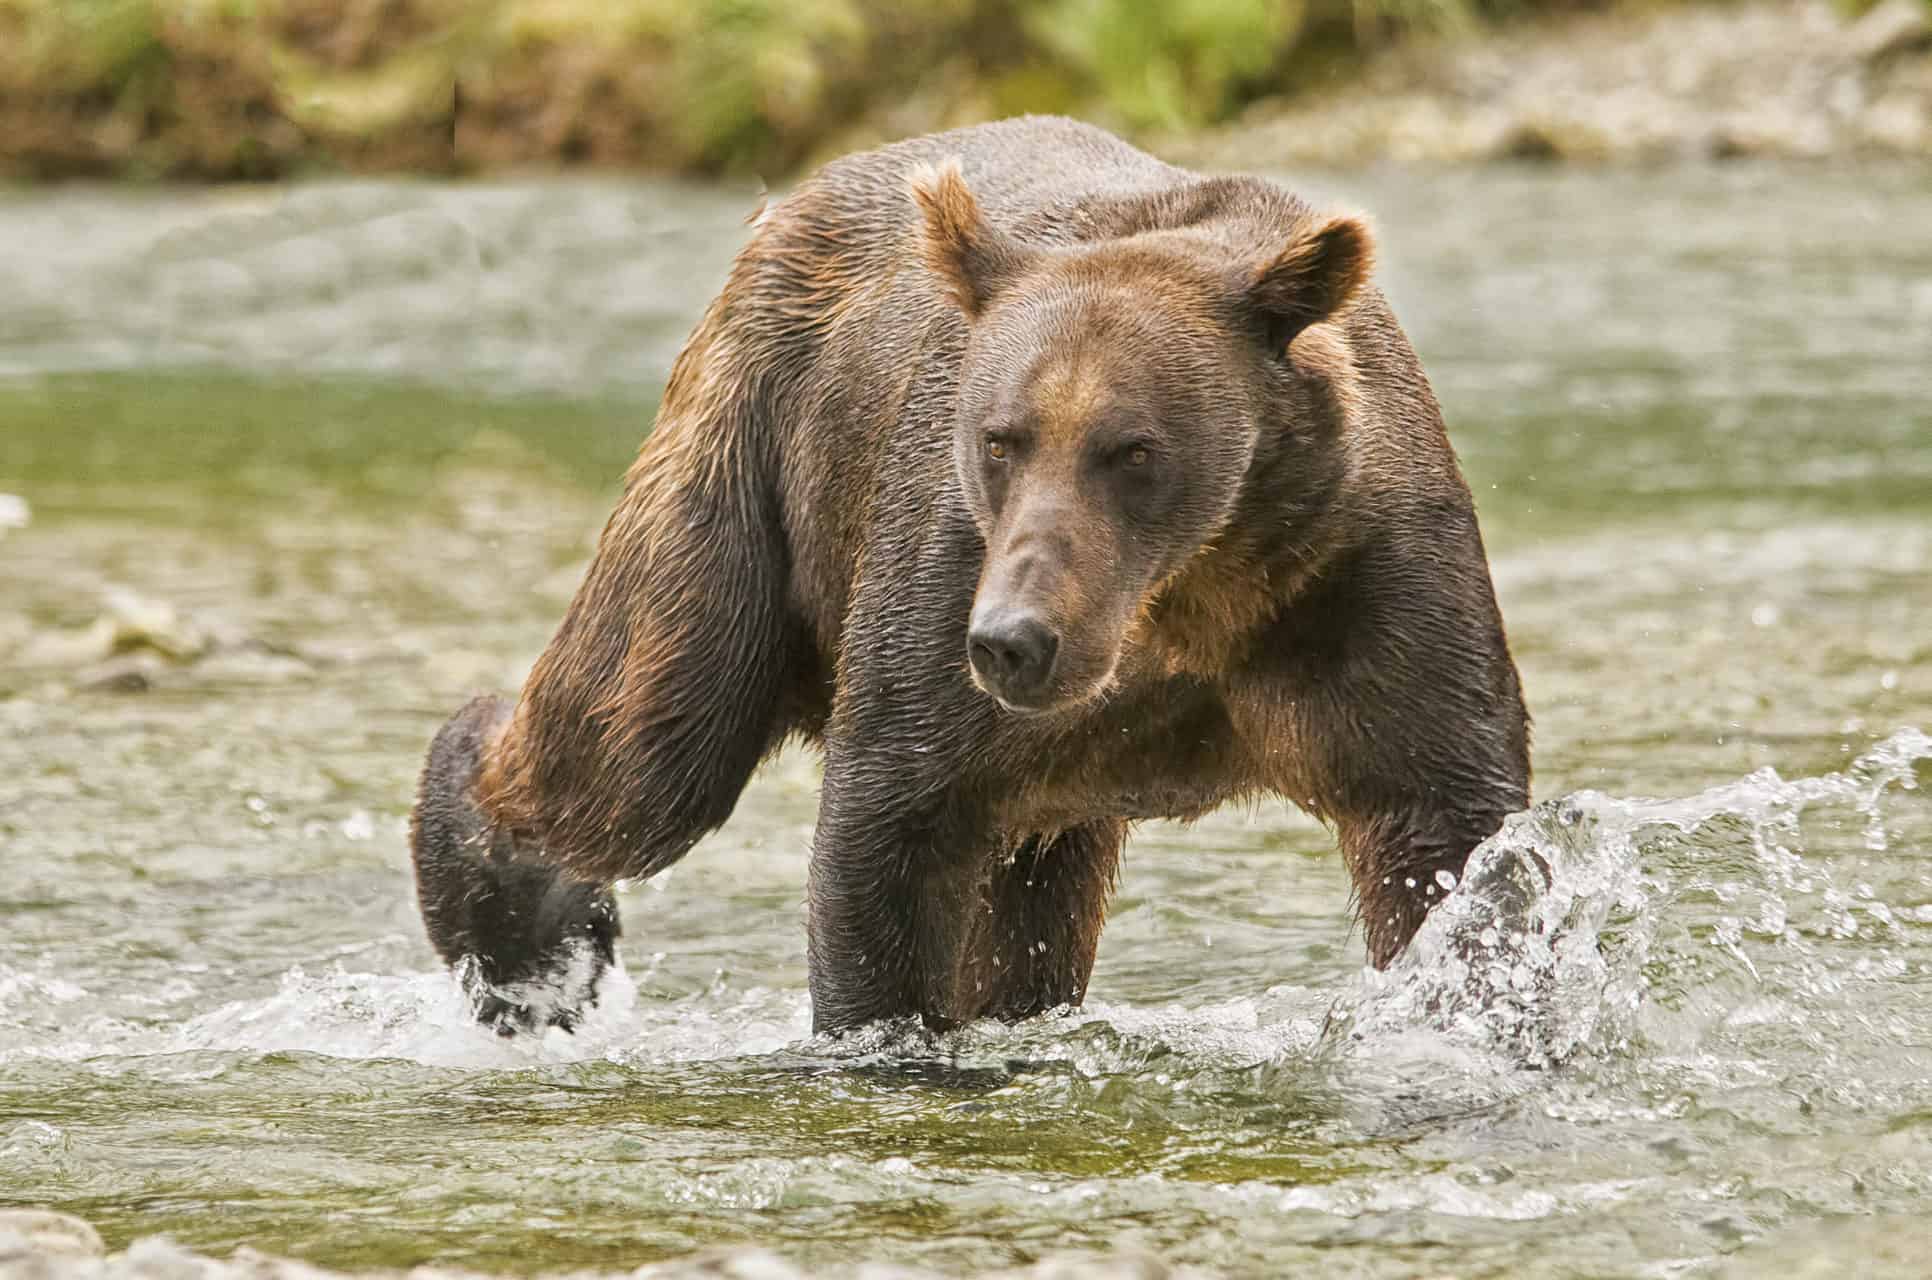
(1012, 651)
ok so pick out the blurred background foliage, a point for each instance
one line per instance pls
(264, 88)
(261, 88)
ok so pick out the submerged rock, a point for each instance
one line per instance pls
(128, 623)
(29, 1234)
(1889, 30)
(138, 642)
(1881, 1244)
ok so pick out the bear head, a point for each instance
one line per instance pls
(1116, 402)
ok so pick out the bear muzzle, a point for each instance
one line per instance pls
(1012, 652)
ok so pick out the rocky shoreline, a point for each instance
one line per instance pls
(194, 91)
(1787, 80)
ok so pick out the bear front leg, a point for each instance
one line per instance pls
(1403, 718)
(529, 943)
(894, 884)
(1396, 865)
(1041, 921)
(1411, 790)
(917, 913)
(1403, 816)
(671, 675)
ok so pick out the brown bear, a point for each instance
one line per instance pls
(1046, 488)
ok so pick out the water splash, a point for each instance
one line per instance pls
(1584, 923)
(1554, 942)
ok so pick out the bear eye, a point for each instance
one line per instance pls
(996, 449)
(1137, 456)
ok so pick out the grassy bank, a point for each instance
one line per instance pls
(230, 89)
(263, 88)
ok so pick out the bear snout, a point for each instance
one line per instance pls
(1012, 653)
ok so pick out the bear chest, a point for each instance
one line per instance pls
(1169, 751)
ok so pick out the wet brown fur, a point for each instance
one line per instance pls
(802, 538)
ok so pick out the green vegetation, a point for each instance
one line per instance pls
(261, 88)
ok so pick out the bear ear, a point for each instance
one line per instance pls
(1312, 278)
(960, 247)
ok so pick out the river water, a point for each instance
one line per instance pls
(289, 473)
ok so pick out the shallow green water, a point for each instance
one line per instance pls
(359, 439)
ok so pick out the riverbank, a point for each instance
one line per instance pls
(1794, 81)
(198, 90)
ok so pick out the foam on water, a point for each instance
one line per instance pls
(1564, 930)
(1550, 945)
(1604, 967)
(425, 1018)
